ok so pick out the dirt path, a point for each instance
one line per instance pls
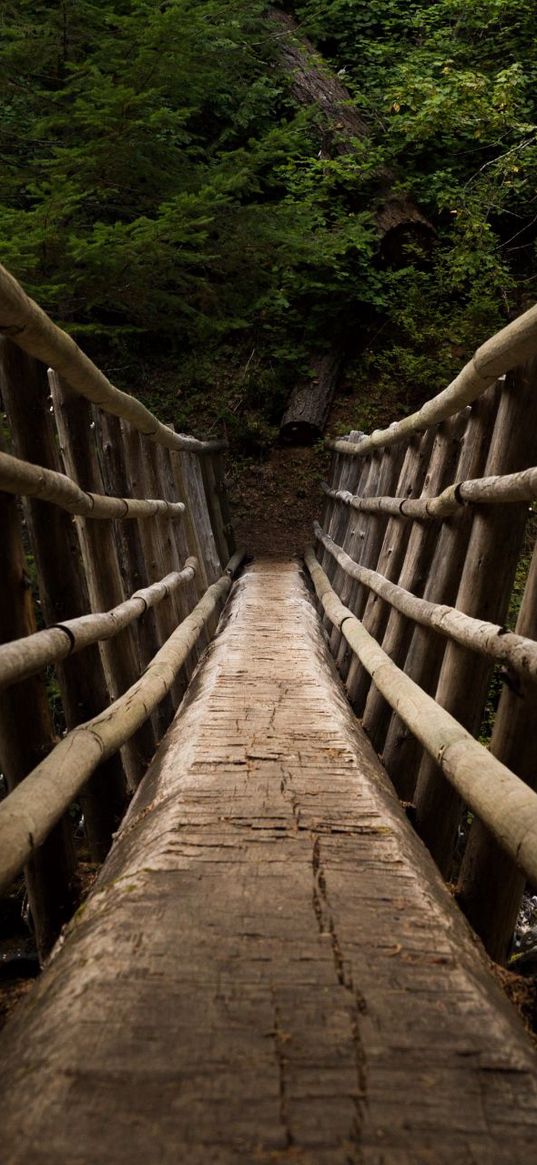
(274, 502)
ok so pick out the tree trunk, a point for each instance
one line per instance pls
(399, 220)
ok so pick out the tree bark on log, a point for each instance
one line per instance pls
(398, 220)
(307, 412)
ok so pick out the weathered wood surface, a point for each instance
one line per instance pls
(23, 321)
(514, 345)
(305, 417)
(33, 481)
(269, 968)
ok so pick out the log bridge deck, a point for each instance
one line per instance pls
(269, 968)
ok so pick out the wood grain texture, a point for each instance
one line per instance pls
(23, 321)
(518, 652)
(514, 345)
(34, 481)
(269, 969)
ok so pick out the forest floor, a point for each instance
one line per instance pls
(275, 502)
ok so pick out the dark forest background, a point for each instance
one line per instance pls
(163, 197)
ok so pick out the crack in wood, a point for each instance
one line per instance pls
(280, 1039)
(358, 1005)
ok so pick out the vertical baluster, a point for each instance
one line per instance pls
(375, 611)
(353, 535)
(352, 474)
(99, 548)
(484, 592)
(402, 752)
(490, 885)
(132, 561)
(175, 532)
(214, 507)
(62, 585)
(26, 736)
(220, 482)
(414, 569)
(369, 541)
(141, 484)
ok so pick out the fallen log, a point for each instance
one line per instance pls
(399, 221)
(306, 414)
(312, 83)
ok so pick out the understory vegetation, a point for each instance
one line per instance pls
(164, 197)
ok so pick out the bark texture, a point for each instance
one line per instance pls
(306, 414)
(312, 82)
(399, 221)
(269, 968)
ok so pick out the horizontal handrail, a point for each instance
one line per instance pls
(24, 322)
(33, 481)
(31, 810)
(492, 491)
(488, 639)
(506, 805)
(513, 345)
(25, 657)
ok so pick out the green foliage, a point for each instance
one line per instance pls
(160, 185)
(449, 89)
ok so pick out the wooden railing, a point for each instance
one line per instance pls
(423, 529)
(127, 525)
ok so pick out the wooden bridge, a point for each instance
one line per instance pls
(270, 967)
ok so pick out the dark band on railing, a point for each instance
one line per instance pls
(33, 481)
(25, 657)
(493, 491)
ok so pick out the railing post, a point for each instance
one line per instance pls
(351, 473)
(369, 541)
(26, 737)
(414, 569)
(402, 752)
(132, 561)
(484, 591)
(375, 611)
(136, 481)
(187, 475)
(99, 548)
(194, 496)
(352, 534)
(214, 507)
(490, 884)
(62, 584)
(179, 546)
(221, 488)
